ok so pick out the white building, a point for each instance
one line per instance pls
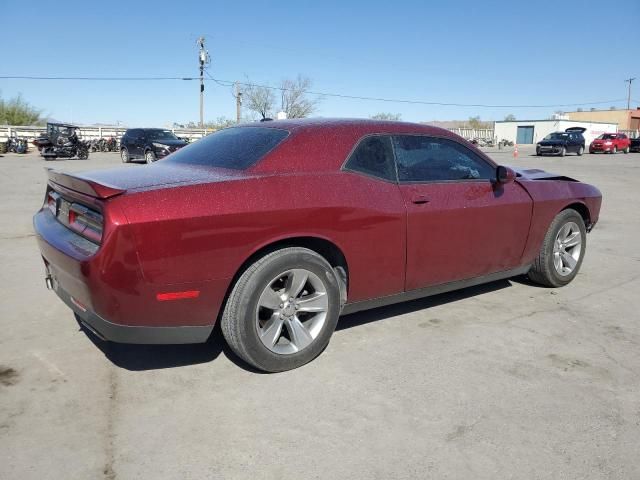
(525, 132)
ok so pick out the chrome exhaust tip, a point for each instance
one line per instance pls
(49, 281)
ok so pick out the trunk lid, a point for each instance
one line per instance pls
(115, 181)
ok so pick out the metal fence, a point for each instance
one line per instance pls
(631, 133)
(93, 132)
(471, 133)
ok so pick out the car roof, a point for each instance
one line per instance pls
(323, 144)
(362, 124)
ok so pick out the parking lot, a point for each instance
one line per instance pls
(505, 380)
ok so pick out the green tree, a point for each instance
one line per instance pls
(17, 111)
(394, 117)
(219, 123)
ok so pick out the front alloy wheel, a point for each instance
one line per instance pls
(562, 251)
(124, 155)
(567, 248)
(149, 156)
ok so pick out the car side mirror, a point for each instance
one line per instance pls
(505, 175)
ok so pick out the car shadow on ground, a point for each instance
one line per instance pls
(382, 313)
(155, 357)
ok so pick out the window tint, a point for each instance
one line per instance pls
(430, 159)
(236, 148)
(373, 156)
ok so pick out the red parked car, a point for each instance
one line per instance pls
(611, 143)
(275, 229)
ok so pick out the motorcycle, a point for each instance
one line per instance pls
(110, 145)
(17, 145)
(65, 143)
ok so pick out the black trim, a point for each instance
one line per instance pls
(433, 290)
(113, 332)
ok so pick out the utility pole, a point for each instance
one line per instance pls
(238, 96)
(203, 59)
(629, 80)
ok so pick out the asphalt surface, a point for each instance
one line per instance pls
(506, 380)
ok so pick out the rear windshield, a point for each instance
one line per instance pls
(237, 148)
(556, 136)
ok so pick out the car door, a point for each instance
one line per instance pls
(460, 223)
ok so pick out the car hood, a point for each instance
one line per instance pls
(158, 174)
(170, 143)
(537, 174)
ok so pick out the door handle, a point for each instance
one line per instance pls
(420, 199)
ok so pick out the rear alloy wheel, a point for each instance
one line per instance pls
(562, 251)
(626, 150)
(124, 155)
(563, 151)
(149, 156)
(283, 310)
(615, 149)
(580, 151)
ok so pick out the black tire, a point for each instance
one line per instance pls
(615, 150)
(238, 319)
(626, 150)
(83, 154)
(580, 151)
(543, 271)
(563, 151)
(149, 156)
(124, 155)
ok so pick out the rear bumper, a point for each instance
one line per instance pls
(114, 332)
(549, 150)
(105, 288)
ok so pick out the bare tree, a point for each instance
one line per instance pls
(510, 118)
(394, 117)
(294, 98)
(258, 99)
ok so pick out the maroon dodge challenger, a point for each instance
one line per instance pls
(275, 229)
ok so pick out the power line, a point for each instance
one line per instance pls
(98, 79)
(228, 83)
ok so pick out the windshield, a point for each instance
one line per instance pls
(606, 136)
(557, 136)
(161, 135)
(237, 148)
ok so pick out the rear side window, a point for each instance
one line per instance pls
(236, 148)
(373, 156)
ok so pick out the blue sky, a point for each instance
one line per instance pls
(457, 51)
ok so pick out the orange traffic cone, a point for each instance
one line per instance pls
(515, 151)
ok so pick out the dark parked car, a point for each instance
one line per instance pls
(561, 143)
(634, 145)
(274, 231)
(148, 144)
(610, 143)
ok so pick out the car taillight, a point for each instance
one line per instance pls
(52, 202)
(85, 222)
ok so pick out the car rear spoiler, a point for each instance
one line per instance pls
(83, 185)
